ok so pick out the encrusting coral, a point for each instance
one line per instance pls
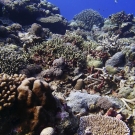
(104, 103)
(98, 124)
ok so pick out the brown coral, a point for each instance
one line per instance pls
(34, 92)
(102, 125)
(34, 100)
(8, 86)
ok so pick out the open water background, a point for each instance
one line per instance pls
(69, 8)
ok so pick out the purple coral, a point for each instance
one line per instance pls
(104, 103)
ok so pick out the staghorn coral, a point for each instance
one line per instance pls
(125, 101)
(8, 89)
(74, 38)
(55, 48)
(87, 18)
(98, 124)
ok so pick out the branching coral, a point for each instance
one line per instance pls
(121, 17)
(12, 61)
(47, 52)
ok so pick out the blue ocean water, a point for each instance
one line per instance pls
(69, 8)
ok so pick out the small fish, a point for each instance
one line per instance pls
(116, 1)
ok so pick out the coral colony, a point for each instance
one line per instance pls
(65, 78)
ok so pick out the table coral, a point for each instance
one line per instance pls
(98, 124)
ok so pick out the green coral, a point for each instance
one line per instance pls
(46, 52)
(12, 61)
(73, 38)
(95, 63)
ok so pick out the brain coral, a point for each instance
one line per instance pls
(102, 125)
(87, 18)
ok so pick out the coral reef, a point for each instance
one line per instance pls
(98, 124)
(56, 71)
(33, 9)
(53, 71)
